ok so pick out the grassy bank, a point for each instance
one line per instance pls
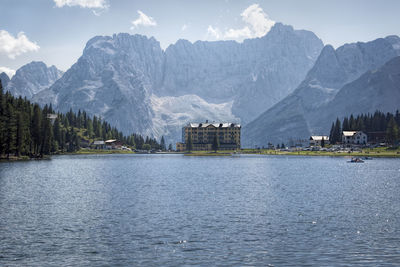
(97, 151)
(375, 152)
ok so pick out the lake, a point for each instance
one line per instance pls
(170, 210)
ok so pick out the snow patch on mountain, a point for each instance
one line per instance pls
(172, 113)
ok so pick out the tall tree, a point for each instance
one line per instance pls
(189, 144)
(392, 132)
(215, 144)
(162, 144)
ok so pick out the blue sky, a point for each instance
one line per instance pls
(56, 31)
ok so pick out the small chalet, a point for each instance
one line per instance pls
(113, 144)
(99, 145)
(354, 138)
(52, 117)
(316, 140)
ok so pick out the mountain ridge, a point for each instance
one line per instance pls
(332, 70)
(117, 75)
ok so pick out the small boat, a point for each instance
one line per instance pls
(356, 160)
(367, 158)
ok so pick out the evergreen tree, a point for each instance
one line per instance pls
(346, 126)
(36, 129)
(337, 133)
(20, 135)
(331, 134)
(189, 144)
(162, 144)
(392, 132)
(2, 120)
(170, 147)
(215, 144)
(10, 135)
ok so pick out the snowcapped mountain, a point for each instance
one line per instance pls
(298, 115)
(135, 85)
(32, 78)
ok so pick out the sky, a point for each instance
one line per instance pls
(56, 31)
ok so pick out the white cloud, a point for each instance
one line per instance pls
(97, 6)
(12, 47)
(257, 19)
(213, 33)
(100, 4)
(257, 24)
(184, 27)
(143, 20)
(238, 34)
(8, 71)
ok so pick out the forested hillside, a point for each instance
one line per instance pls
(26, 129)
(378, 122)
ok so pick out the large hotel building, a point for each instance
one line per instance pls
(203, 134)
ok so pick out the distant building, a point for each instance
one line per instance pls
(354, 138)
(202, 136)
(180, 146)
(98, 145)
(113, 144)
(52, 117)
(316, 140)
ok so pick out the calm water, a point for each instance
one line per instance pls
(173, 210)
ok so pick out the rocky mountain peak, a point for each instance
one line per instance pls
(32, 78)
(4, 79)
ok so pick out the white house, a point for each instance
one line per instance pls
(354, 137)
(315, 140)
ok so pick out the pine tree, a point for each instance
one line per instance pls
(337, 132)
(189, 144)
(57, 131)
(170, 147)
(162, 144)
(331, 134)
(2, 120)
(10, 135)
(392, 131)
(19, 135)
(215, 144)
(36, 129)
(346, 126)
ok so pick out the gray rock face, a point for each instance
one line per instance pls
(255, 74)
(298, 115)
(112, 79)
(375, 90)
(125, 79)
(4, 80)
(32, 78)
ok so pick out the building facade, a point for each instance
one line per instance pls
(316, 140)
(354, 138)
(202, 136)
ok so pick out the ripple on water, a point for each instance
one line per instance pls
(174, 210)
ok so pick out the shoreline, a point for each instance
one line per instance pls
(381, 153)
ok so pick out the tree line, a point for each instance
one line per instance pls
(378, 122)
(26, 129)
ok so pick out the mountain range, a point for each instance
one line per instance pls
(284, 85)
(318, 100)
